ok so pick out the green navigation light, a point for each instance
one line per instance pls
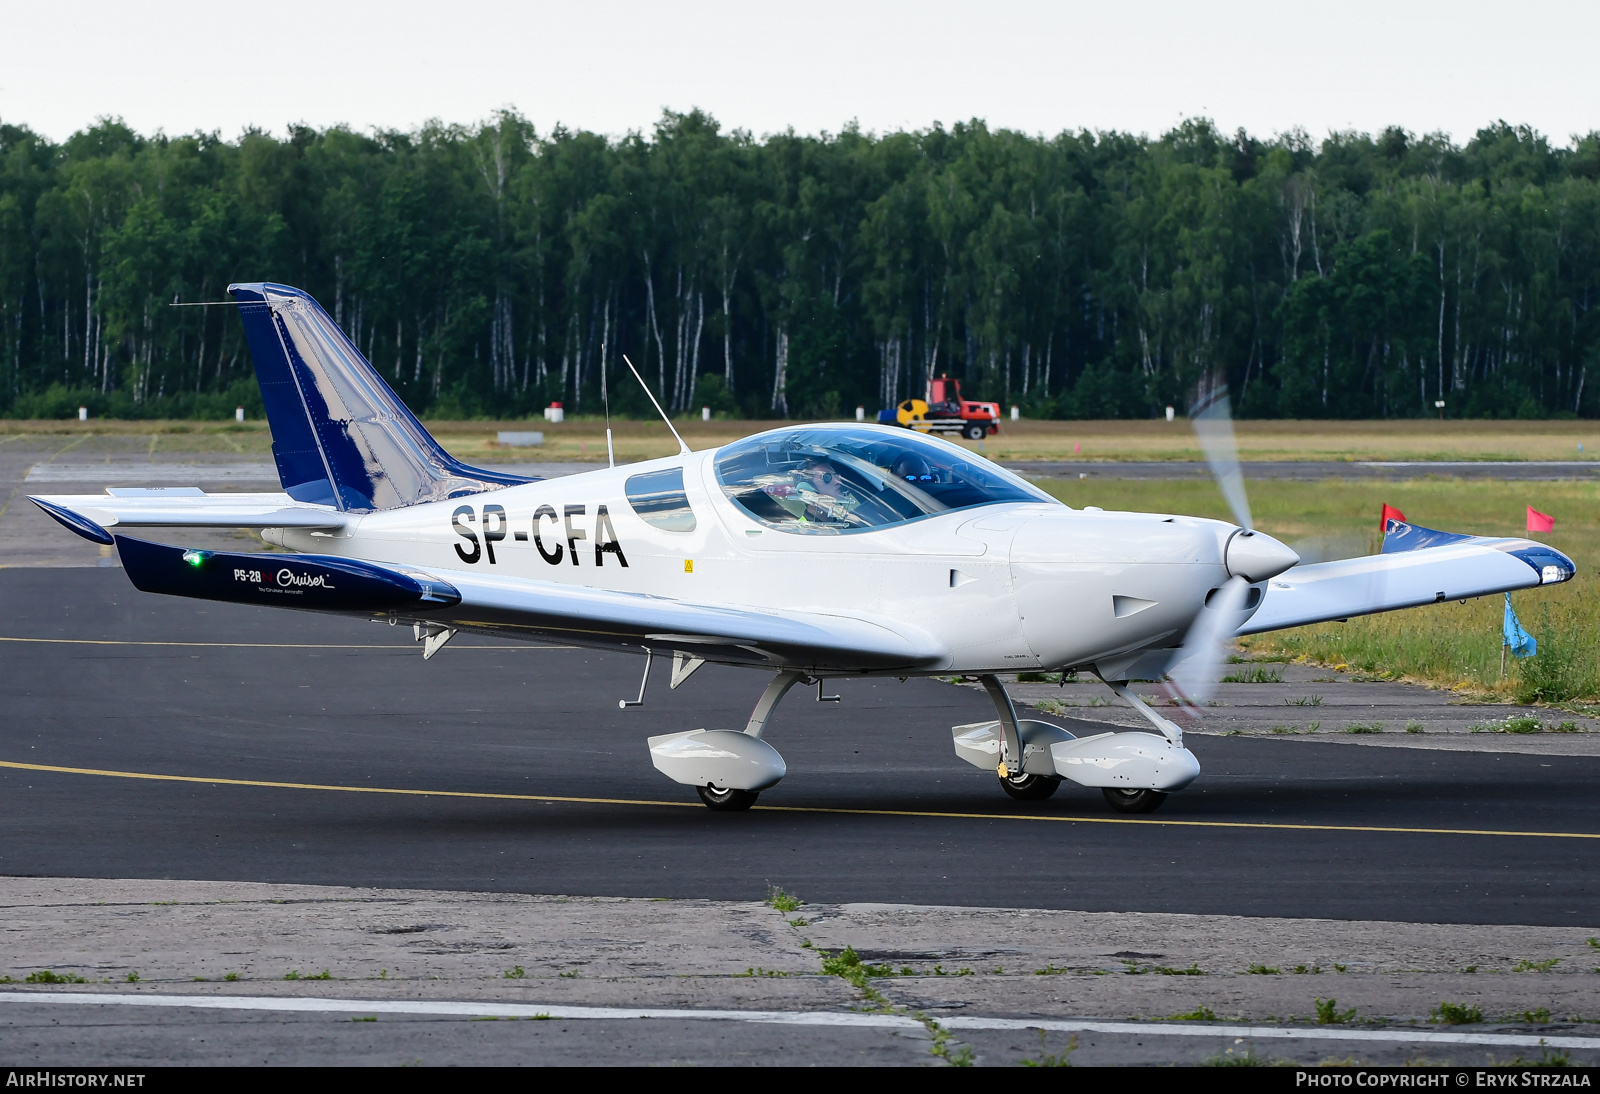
(194, 558)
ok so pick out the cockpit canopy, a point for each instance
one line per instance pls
(833, 481)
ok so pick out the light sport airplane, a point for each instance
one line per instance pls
(805, 552)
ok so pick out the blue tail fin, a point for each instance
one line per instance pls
(340, 435)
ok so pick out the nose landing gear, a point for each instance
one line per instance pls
(1029, 788)
(1133, 801)
(727, 801)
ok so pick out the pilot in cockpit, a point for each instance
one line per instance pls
(826, 494)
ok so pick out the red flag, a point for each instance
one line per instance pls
(1390, 513)
(1540, 522)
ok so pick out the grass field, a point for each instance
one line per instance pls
(584, 438)
(1449, 645)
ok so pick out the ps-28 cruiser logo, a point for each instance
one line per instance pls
(285, 578)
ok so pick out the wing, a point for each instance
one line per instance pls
(1418, 566)
(528, 609)
(89, 515)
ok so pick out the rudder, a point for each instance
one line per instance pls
(340, 435)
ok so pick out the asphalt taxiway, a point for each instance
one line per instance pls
(154, 737)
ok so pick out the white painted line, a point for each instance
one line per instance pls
(314, 1005)
(457, 1009)
(1280, 1033)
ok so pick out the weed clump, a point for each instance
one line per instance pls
(784, 902)
(1328, 1012)
(50, 976)
(1456, 1014)
(848, 964)
(1202, 1013)
(1255, 674)
(1262, 970)
(1536, 966)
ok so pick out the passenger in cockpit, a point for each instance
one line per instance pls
(912, 468)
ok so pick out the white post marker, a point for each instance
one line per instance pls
(1171, 414)
(861, 413)
(83, 414)
(238, 414)
(705, 414)
(1015, 414)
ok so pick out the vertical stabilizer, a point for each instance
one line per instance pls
(340, 435)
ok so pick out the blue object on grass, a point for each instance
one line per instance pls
(1521, 642)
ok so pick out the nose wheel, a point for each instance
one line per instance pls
(1134, 801)
(727, 801)
(1029, 788)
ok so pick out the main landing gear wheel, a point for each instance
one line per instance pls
(1134, 801)
(1029, 788)
(974, 432)
(727, 801)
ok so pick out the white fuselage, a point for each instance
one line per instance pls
(1002, 587)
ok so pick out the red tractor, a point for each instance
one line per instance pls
(945, 411)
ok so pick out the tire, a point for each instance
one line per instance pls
(1030, 788)
(727, 801)
(1134, 801)
(974, 432)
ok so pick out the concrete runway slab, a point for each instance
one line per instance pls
(149, 971)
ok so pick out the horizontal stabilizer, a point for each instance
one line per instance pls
(1423, 567)
(84, 513)
(307, 582)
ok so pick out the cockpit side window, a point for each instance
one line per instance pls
(658, 498)
(839, 481)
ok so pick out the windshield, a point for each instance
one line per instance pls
(822, 481)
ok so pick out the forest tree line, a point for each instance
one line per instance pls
(490, 270)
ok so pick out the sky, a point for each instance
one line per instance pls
(1133, 65)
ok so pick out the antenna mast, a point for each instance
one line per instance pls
(605, 398)
(683, 449)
